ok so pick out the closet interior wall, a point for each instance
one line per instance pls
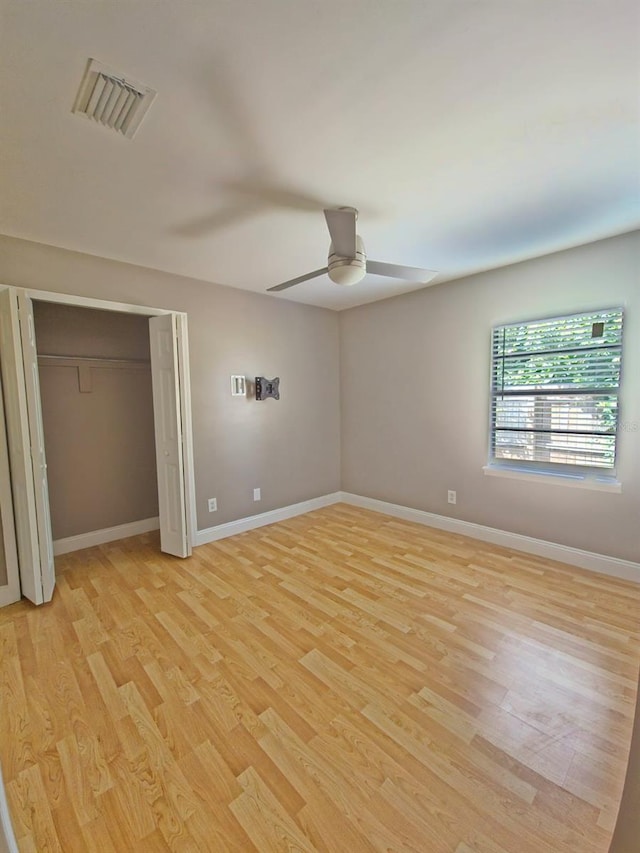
(97, 410)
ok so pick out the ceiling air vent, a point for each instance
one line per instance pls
(113, 101)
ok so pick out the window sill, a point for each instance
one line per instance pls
(573, 481)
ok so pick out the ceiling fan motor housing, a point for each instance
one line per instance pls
(348, 271)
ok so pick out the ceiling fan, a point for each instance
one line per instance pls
(347, 263)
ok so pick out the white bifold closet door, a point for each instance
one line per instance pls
(25, 436)
(167, 376)
(9, 572)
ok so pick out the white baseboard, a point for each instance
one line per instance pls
(613, 566)
(107, 534)
(221, 531)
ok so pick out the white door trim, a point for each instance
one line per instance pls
(10, 592)
(90, 302)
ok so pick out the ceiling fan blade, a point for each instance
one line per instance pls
(342, 228)
(299, 280)
(397, 271)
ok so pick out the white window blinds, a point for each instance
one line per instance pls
(555, 384)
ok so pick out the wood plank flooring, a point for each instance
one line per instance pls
(342, 681)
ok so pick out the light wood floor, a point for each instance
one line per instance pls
(342, 681)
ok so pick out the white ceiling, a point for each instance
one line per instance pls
(469, 134)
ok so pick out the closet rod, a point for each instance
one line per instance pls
(138, 362)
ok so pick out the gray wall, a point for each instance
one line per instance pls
(99, 443)
(412, 374)
(415, 376)
(289, 448)
(72, 330)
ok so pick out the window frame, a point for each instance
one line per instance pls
(565, 473)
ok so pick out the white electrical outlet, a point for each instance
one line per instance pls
(213, 504)
(451, 496)
(256, 494)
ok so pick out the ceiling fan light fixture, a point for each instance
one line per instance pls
(347, 264)
(348, 271)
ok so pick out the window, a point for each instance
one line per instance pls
(554, 396)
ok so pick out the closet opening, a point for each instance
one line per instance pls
(98, 416)
(96, 398)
